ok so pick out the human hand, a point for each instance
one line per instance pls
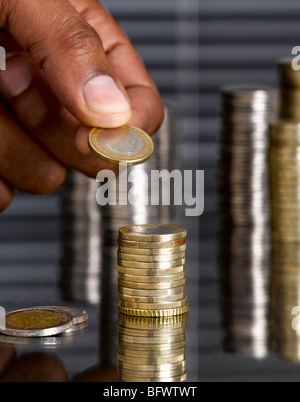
(69, 67)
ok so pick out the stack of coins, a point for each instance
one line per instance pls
(285, 301)
(151, 270)
(285, 195)
(290, 91)
(81, 240)
(89, 231)
(284, 179)
(244, 205)
(152, 349)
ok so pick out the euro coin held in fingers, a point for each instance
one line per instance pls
(151, 270)
(126, 144)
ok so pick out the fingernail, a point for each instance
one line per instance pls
(103, 96)
(16, 78)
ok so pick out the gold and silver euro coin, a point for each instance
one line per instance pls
(126, 144)
(37, 322)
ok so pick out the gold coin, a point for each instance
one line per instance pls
(151, 354)
(152, 232)
(153, 252)
(150, 299)
(154, 313)
(37, 322)
(152, 359)
(153, 347)
(151, 279)
(144, 372)
(125, 144)
(133, 378)
(153, 323)
(289, 77)
(152, 265)
(157, 368)
(151, 332)
(153, 272)
(152, 292)
(154, 306)
(150, 286)
(152, 258)
(151, 340)
(150, 244)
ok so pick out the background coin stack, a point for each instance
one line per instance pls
(285, 297)
(82, 270)
(285, 193)
(151, 270)
(152, 349)
(244, 204)
(290, 91)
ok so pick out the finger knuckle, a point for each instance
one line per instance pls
(77, 36)
(52, 179)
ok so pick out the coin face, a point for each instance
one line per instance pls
(37, 322)
(125, 144)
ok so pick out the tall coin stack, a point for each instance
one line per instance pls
(285, 193)
(290, 91)
(81, 240)
(152, 349)
(244, 235)
(151, 270)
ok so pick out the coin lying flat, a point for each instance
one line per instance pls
(37, 322)
(176, 378)
(150, 258)
(160, 266)
(79, 315)
(151, 359)
(151, 299)
(152, 293)
(152, 232)
(146, 354)
(159, 305)
(153, 252)
(149, 286)
(125, 144)
(152, 271)
(153, 313)
(151, 244)
(152, 279)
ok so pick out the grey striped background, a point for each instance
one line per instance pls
(192, 48)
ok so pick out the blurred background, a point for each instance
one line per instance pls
(192, 48)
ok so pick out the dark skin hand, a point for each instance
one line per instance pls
(69, 67)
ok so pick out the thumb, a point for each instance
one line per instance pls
(72, 58)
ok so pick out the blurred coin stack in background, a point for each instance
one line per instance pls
(244, 204)
(82, 271)
(290, 91)
(285, 196)
(151, 270)
(152, 349)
